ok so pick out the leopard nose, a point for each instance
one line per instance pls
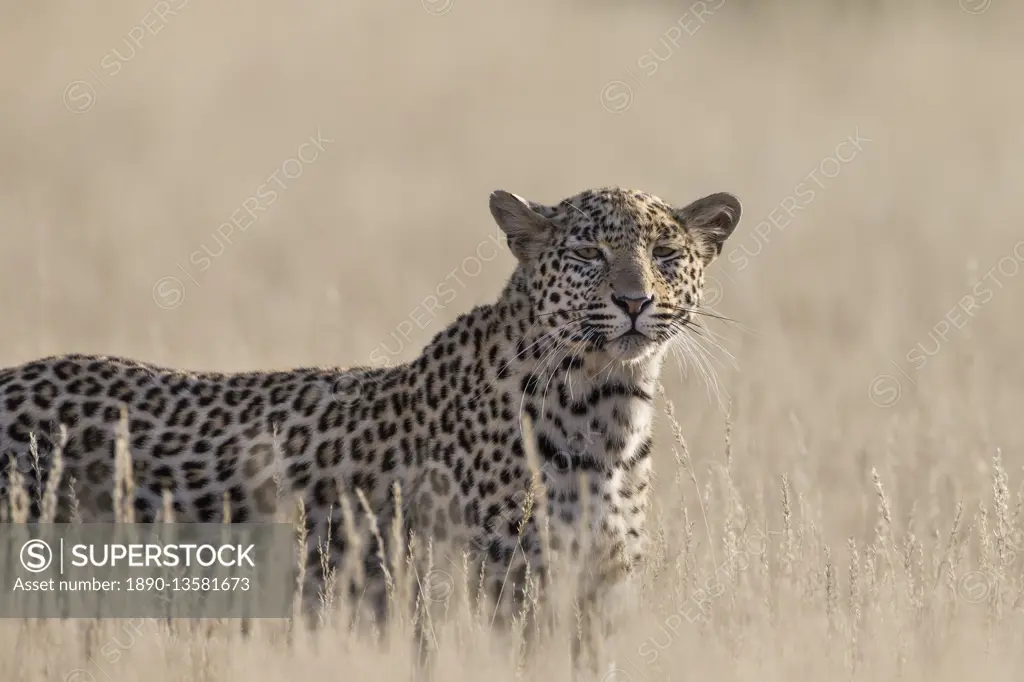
(633, 304)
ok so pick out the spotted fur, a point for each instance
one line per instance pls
(605, 281)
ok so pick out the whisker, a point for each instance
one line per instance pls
(573, 207)
(577, 345)
(702, 364)
(582, 343)
(557, 345)
(706, 312)
(550, 336)
(696, 329)
(554, 371)
(562, 312)
(712, 338)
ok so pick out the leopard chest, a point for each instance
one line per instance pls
(596, 478)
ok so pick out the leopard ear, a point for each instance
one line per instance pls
(524, 227)
(711, 219)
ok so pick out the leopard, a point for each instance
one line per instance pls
(545, 396)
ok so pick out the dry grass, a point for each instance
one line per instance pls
(850, 509)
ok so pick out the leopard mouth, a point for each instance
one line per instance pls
(631, 342)
(631, 346)
(633, 335)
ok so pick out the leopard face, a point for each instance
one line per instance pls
(615, 271)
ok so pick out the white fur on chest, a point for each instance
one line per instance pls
(586, 484)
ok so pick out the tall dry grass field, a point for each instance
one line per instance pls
(847, 504)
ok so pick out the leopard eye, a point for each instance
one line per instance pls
(664, 252)
(588, 253)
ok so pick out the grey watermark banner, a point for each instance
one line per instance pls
(172, 570)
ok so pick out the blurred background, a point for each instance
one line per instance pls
(241, 186)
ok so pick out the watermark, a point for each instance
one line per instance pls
(350, 386)
(466, 560)
(803, 194)
(436, 586)
(132, 631)
(712, 293)
(617, 675)
(977, 587)
(616, 96)
(698, 605)
(975, 6)
(438, 7)
(37, 556)
(14, 462)
(440, 297)
(169, 292)
(558, 468)
(885, 390)
(140, 570)
(17, 458)
(80, 95)
(786, 212)
(558, 472)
